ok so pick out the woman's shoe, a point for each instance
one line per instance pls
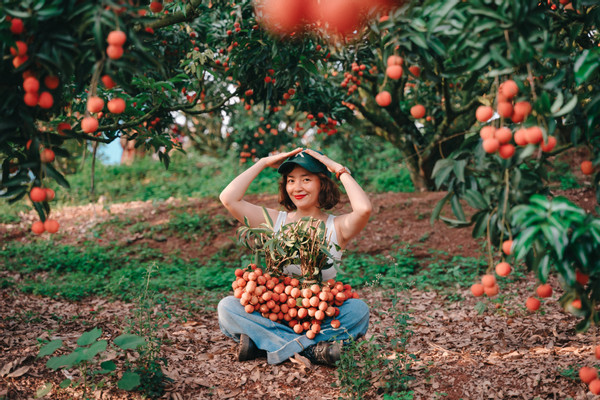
(324, 353)
(247, 350)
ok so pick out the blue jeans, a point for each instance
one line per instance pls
(279, 340)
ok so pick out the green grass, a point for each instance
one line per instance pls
(562, 175)
(113, 271)
(76, 272)
(378, 167)
(400, 268)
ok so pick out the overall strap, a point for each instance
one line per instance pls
(281, 217)
(330, 227)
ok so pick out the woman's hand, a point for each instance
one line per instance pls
(277, 159)
(331, 165)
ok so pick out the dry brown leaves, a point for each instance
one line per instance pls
(505, 353)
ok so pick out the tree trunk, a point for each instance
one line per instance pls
(416, 176)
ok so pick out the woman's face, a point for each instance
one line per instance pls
(303, 187)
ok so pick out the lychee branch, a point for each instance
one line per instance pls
(132, 123)
(190, 12)
(531, 81)
(387, 124)
(505, 206)
(187, 108)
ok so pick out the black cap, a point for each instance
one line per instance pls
(306, 161)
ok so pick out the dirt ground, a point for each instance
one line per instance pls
(503, 353)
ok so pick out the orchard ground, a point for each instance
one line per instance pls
(502, 352)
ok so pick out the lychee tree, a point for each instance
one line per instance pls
(501, 168)
(94, 72)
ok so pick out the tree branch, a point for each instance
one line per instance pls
(189, 13)
(187, 108)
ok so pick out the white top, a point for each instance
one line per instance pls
(327, 272)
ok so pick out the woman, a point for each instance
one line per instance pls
(306, 189)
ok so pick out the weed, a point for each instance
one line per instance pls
(146, 321)
(380, 365)
(139, 227)
(87, 358)
(561, 173)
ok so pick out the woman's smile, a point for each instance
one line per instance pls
(299, 196)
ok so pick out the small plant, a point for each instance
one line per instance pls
(141, 372)
(145, 323)
(380, 364)
(86, 357)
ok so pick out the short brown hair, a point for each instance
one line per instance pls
(329, 195)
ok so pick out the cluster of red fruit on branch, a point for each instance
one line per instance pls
(352, 79)
(499, 139)
(545, 290)
(323, 123)
(284, 300)
(31, 84)
(589, 375)
(37, 195)
(566, 3)
(95, 104)
(489, 285)
(334, 17)
(115, 40)
(394, 70)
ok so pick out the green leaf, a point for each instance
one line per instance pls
(542, 266)
(540, 201)
(565, 269)
(129, 381)
(457, 208)
(558, 102)
(107, 366)
(89, 337)
(475, 199)
(480, 62)
(129, 341)
(50, 348)
(65, 384)
(44, 390)
(419, 40)
(90, 352)
(64, 361)
(567, 108)
(442, 170)
(455, 223)
(57, 176)
(526, 153)
(586, 64)
(524, 240)
(459, 170)
(438, 208)
(555, 238)
(480, 219)
(309, 66)
(480, 307)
